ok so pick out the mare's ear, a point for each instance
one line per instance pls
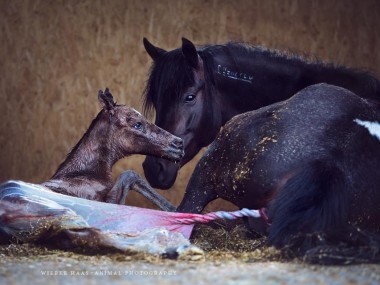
(106, 101)
(190, 53)
(154, 52)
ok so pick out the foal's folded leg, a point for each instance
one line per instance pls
(131, 180)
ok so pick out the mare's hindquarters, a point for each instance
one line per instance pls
(313, 217)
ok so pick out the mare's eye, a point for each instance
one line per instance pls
(189, 98)
(137, 126)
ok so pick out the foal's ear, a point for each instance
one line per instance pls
(106, 101)
(154, 52)
(190, 53)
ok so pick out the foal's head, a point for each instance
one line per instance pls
(132, 133)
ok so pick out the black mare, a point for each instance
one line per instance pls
(195, 91)
(313, 161)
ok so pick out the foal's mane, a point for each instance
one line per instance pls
(86, 135)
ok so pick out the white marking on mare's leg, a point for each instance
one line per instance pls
(372, 127)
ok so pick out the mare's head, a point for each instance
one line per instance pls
(179, 91)
(132, 133)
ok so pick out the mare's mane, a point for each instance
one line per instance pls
(170, 75)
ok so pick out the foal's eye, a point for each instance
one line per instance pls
(189, 98)
(137, 126)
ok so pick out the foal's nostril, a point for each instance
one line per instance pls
(177, 143)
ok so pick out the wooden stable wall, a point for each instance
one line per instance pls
(55, 55)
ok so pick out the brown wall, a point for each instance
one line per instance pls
(55, 55)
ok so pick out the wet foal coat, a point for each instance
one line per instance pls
(117, 131)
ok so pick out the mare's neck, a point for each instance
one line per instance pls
(93, 156)
(249, 78)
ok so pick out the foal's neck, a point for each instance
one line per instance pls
(93, 156)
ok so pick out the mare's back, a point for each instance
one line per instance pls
(319, 111)
(323, 118)
(315, 124)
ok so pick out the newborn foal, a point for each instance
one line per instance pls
(116, 132)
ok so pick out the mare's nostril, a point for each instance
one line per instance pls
(177, 143)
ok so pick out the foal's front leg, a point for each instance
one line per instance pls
(131, 180)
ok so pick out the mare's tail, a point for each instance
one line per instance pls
(310, 219)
